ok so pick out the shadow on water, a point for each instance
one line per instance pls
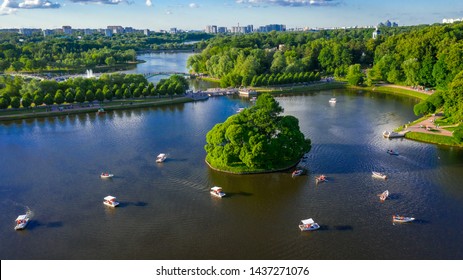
(343, 228)
(394, 196)
(420, 221)
(176, 160)
(127, 204)
(324, 227)
(37, 224)
(238, 194)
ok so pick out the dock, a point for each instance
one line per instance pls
(393, 134)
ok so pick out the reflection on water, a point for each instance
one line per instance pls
(52, 166)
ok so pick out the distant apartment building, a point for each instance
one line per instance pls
(272, 27)
(211, 29)
(116, 29)
(221, 30)
(47, 32)
(173, 30)
(67, 29)
(146, 32)
(242, 29)
(108, 32)
(26, 31)
(88, 31)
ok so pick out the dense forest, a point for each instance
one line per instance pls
(426, 57)
(68, 52)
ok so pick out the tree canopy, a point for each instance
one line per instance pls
(256, 139)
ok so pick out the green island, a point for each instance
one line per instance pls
(257, 139)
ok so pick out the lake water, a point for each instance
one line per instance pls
(51, 167)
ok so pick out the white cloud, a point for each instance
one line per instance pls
(8, 7)
(105, 2)
(38, 4)
(291, 3)
(193, 5)
(148, 3)
(11, 6)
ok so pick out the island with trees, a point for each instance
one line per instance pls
(256, 140)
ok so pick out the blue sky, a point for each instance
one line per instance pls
(196, 14)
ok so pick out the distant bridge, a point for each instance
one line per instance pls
(166, 73)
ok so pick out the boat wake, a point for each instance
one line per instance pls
(188, 183)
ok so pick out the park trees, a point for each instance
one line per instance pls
(257, 139)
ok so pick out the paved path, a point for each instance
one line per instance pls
(428, 126)
(428, 92)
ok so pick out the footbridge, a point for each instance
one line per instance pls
(164, 73)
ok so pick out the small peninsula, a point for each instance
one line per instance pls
(256, 140)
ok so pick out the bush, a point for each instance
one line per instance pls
(423, 108)
(458, 133)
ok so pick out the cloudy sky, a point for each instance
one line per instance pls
(196, 14)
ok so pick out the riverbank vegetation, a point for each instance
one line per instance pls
(77, 52)
(258, 139)
(17, 92)
(427, 59)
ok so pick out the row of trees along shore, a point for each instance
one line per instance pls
(61, 52)
(18, 91)
(424, 57)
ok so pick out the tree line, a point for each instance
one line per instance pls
(424, 57)
(16, 91)
(59, 52)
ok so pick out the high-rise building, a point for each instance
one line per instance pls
(211, 29)
(67, 29)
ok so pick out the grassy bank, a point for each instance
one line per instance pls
(301, 88)
(390, 89)
(108, 106)
(433, 138)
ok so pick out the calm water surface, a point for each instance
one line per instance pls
(51, 167)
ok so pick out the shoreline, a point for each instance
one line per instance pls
(108, 106)
(140, 103)
(251, 172)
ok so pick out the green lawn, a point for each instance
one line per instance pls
(433, 138)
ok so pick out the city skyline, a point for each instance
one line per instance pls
(197, 14)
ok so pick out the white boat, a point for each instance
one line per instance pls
(110, 201)
(332, 100)
(378, 175)
(297, 172)
(241, 109)
(402, 219)
(217, 191)
(161, 158)
(320, 179)
(384, 195)
(392, 152)
(21, 222)
(106, 175)
(308, 225)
